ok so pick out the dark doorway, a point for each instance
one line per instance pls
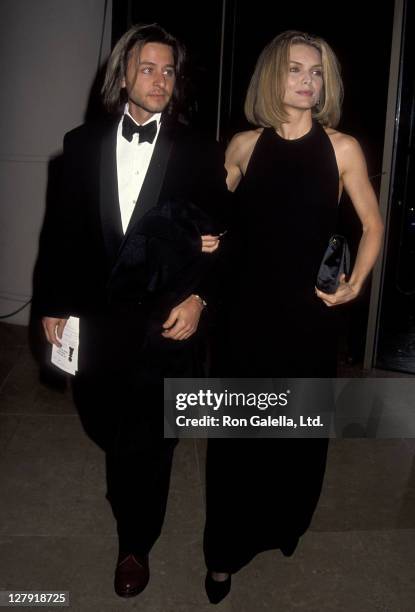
(396, 328)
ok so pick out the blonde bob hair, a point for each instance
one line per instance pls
(264, 99)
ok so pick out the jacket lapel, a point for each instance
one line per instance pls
(109, 202)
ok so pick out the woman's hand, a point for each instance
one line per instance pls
(346, 292)
(210, 243)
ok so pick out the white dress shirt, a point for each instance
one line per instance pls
(133, 159)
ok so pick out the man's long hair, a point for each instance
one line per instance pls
(264, 100)
(114, 95)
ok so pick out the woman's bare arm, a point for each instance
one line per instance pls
(354, 176)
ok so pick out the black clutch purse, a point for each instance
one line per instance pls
(336, 261)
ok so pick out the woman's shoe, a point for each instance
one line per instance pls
(217, 589)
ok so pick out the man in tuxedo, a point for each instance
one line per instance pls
(122, 251)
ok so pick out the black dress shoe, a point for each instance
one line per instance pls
(131, 575)
(217, 589)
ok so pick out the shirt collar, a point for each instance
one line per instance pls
(155, 117)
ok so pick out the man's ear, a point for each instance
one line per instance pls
(123, 83)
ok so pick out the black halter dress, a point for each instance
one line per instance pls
(261, 493)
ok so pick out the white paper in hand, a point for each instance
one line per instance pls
(66, 356)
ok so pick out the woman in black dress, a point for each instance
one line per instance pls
(287, 176)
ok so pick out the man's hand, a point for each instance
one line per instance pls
(345, 293)
(53, 329)
(183, 319)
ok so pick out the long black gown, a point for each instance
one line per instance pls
(261, 493)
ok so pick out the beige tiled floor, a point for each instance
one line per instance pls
(57, 531)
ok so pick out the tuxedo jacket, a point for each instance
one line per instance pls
(86, 265)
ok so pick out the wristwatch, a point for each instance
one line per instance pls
(201, 300)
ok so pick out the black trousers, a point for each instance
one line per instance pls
(119, 398)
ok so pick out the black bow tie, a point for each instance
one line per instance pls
(146, 133)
